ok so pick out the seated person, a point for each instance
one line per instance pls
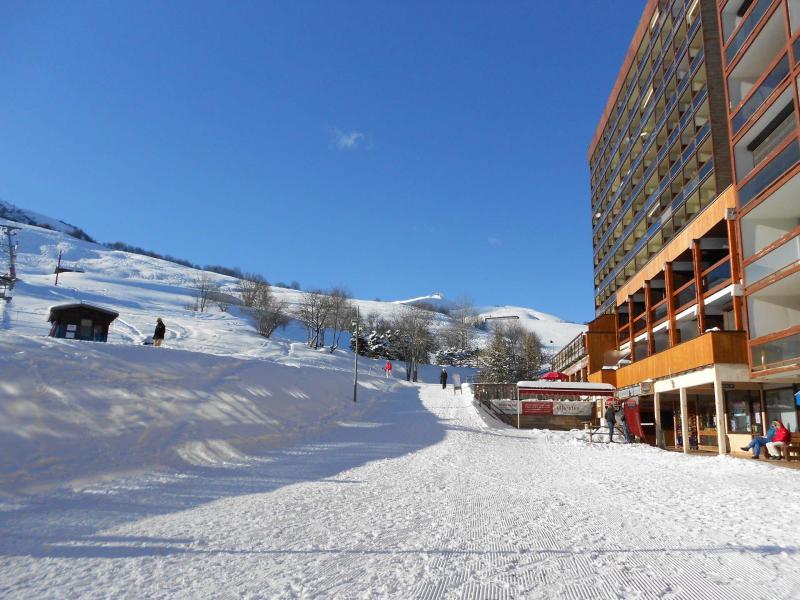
(782, 437)
(758, 442)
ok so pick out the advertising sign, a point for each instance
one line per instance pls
(530, 407)
(577, 409)
(508, 407)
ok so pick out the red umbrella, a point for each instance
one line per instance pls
(555, 376)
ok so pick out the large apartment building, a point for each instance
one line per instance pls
(695, 183)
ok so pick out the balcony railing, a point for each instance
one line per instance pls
(770, 83)
(770, 173)
(776, 353)
(717, 275)
(746, 28)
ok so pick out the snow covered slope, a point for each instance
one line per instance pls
(12, 213)
(142, 288)
(554, 333)
(82, 410)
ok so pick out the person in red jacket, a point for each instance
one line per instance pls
(388, 368)
(782, 438)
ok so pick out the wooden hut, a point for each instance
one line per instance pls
(81, 321)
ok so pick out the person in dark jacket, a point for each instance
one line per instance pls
(760, 441)
(158, 334)
(611, 420)
(443, 378)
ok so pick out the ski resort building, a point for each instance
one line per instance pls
(695, 175)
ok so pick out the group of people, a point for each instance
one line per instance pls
(777, 436)
(611, 421)
(442, 376)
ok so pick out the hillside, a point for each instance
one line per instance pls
(142, 288)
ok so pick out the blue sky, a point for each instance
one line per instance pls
(397, 148)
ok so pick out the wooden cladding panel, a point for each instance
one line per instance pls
(598, 346)
(707, 349)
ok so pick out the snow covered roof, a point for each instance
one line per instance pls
(62, 307)
(572, 386)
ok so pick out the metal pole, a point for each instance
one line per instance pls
(355, 377)
(58, 266)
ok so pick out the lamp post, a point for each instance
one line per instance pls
(355, 371)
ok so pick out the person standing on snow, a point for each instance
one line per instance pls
(624, 422)
(611, 420)
(388, 368)
(158, 334)
(443, 378)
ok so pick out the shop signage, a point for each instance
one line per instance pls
(643, 389)
(579, 409)
(508, 407)
(537, 408)
(728, 386)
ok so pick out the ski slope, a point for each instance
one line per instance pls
(418, 497)
(142, 288)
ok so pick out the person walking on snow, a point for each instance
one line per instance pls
(611, 420)
(443, 378)
(388, 368)
(158, 334)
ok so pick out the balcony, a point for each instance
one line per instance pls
(710, 348)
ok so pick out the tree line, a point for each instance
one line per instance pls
(408, 335)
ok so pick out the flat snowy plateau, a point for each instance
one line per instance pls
(416, 494)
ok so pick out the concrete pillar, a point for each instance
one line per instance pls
(719, 401)
(657, 409)
(684, 420)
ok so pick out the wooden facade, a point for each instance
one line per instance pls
(81, 322)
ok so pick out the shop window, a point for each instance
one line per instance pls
(781, 405)
(744, 411)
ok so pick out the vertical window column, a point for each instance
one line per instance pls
(631, 328)
(669, 285)
(698, 287)
(736, 267)
(651, 344)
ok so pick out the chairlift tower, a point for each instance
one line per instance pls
(7, 280)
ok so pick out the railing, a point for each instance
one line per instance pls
(484, 393)
(716, 275)
(758, 97)
(603, 146)
(746, 28)
(776, 167)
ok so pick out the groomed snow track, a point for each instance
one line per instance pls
(423, 498)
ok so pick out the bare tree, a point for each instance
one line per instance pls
(341, 312)
(464, 319)
(313, 311)
(250, 287)
(270, 313)
(205, 288)
(415, 340)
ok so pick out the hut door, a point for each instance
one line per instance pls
(86, 329)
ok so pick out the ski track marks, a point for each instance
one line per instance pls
(422, 498)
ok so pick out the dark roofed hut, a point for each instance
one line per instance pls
(81, 321)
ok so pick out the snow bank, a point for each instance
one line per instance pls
(81, 409)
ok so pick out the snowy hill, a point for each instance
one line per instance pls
(19, 215)
(142, 288)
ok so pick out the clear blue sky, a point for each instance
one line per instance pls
(397, 148)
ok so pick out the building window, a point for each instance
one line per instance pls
(781, 405)
(744, 411)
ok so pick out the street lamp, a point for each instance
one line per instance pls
(355, 371)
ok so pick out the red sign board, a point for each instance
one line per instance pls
(537, 408)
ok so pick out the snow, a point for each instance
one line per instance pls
(418, 496)
(227, 465)
(142, 288)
